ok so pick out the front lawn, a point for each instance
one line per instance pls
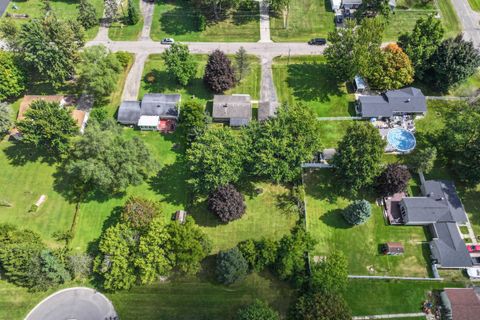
(157, 80)
(474, 4)
(360, 244)
(331, 132)
(307, 19)
(121, 30)
(65, 10)
(307, 80)
(177, 19)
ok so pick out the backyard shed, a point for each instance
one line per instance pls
(360, 84)
(393, 248)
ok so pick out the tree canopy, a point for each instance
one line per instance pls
(193, 119)
(454, 61)
(258, 310)
(219, 74)
(226, 203)
(320, 306)
(279, 145)
(12, 77)
(5, 117)
(358, 158)
(48, 126)
(104, 160)
(87, 14)
(331, 274)
(422, 42)
(98, 71)
(180, 63)
(139, 212)
(259, 254)
(423, 158)
(358, 212)
(231, 266)
(215, 158)
(393, 179)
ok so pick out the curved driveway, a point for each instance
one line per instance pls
(74, 304)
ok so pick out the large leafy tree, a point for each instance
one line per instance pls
(139, 212)
(357, 212)
(422, 43)
(188, 245)
(227, 203)
(393, 69)
(393, 179)
(87, 14)
(291, 255)
(281, 144)
(215, 159)
(98, 71)
(320, 306)
(152, 257)
(216, 8)
(193, 119)
(49, 47)
(460, 143)
(219, 73)
(49, 126)
(358, 158)
(132, 13)
(103, 160)
(371, 8)
(5, 117)
(455, 60)
(259, 254)
(12, 78)
(231, 266)
(258, 310)
(331, 274)
(114, 262)
(423, 158)
(180, 63)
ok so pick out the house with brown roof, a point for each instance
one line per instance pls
(461, 303)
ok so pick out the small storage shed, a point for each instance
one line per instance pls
(181, 216)
(360, 84)
(393, 248)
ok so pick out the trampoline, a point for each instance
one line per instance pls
(401, 140)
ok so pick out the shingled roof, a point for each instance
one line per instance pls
(153, 104)
(386, 105)
(448, 247)
(464, 303)
(237, 109)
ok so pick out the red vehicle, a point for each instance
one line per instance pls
(473, 247)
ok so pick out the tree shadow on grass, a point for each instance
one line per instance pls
(170, 182)
(19, 154)
(246, 13)
(312, 82)
(203, 217)
(178, 21)
(334, 219)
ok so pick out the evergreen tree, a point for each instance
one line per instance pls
(231, 266)
(132, 13)
(87, 14)
(242, 63)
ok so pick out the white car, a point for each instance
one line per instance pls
(167, 41)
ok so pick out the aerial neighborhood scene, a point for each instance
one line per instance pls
(239, 160)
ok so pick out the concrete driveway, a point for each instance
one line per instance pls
(3, 6)
(74, 303)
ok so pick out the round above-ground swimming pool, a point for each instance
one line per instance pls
(401, 139)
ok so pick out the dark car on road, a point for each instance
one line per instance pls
(318, 41)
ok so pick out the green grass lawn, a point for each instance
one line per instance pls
(467, 88)
(360, 243)
(403, 21)
(474, 4)
(164, 83)
(368, 297)
(307, 19)
(113, 102)
(121, 30)
(177, 19)
(331, 132)
(65, 10)
(307, 80)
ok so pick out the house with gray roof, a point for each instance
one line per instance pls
(406, 101)
(156, 111)
(235, 110)
(441, 210)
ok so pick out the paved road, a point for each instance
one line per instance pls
(470, 20)
(3, 6)
(74, 303)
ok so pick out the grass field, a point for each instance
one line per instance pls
(360, 243)
(368, 297)
(307, 19)
(307, 80)
(474, 4)
(121, 30)
(331, 132)
(177, 19)
(163, 82)
(64, 9)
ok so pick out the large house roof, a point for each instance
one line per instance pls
(448, 247)
(406, 100)
(440, 203)
(159, 104)
(464, 302)
(232, 107)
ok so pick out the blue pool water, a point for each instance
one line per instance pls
(401, 139)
